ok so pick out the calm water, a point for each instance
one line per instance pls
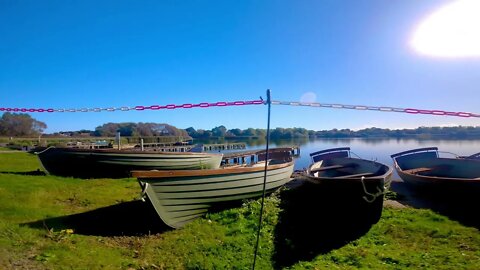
(372, 149)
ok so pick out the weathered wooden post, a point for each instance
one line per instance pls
(117, 138)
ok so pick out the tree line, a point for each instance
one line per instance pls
(138, 130)
(21, 124)
(289, 133)
(127, 129)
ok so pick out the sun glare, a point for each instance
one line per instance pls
(451, 31)
(308, 97)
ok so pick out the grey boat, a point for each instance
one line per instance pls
(359, 181)
(336, 166)
(474, 156)
(425, 170)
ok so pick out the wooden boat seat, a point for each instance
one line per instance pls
(229, 166)
(328, 168)
(354, 175)
(418, 170)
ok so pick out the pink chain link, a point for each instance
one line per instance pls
(140, 108)
(437, 112)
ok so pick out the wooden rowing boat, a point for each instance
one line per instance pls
(337, 167)
(425, 170)
(181, 196)
(355, 179)
(474, 156)
(110, 163)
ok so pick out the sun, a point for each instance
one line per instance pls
(451, 31)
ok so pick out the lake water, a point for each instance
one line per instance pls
(371, 149)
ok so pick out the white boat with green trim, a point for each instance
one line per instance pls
(181, 196)
(110, 163)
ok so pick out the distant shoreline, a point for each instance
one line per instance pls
(222, 133)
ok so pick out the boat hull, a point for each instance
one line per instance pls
(181, 197)
(358, 182)
(85, 163)
(446, 175)
(427, 172)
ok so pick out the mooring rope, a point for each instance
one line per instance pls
(450, 153)
(373, 196)
(44, 150)
(260, 219)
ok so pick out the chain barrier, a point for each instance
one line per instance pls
(243, 103)
(139, 108)
(375, 108)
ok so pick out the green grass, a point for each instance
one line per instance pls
(112, 230)
(12, 161)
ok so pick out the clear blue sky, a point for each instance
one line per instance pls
(76, 54)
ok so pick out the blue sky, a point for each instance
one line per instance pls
(77, 54)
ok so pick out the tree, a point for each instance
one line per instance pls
(249, 132)
(236, 132)
(191, 131)
(20, 124)
(219, 131)
(261, 133)
(139, 129)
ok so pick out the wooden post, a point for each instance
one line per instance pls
(117, 138)
(141, 145)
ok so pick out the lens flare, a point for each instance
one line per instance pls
(308, 97)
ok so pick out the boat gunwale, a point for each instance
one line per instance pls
(474, 156)
(165, 193)
(353, 179)
(414, 151)
(129, 152)
(440, 179)
(331, 150)
(225, 170)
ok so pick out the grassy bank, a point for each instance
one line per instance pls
(49, 222)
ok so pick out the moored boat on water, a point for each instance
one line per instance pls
(425, 170)
(110, 163)
(474, 156)
(181, 196)
(353, 179)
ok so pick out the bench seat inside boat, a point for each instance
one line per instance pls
(328, 168)
(354, 175)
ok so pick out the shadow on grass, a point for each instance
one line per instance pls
(316, 220)
(125, 219)
(459, 205)
(37, 172)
